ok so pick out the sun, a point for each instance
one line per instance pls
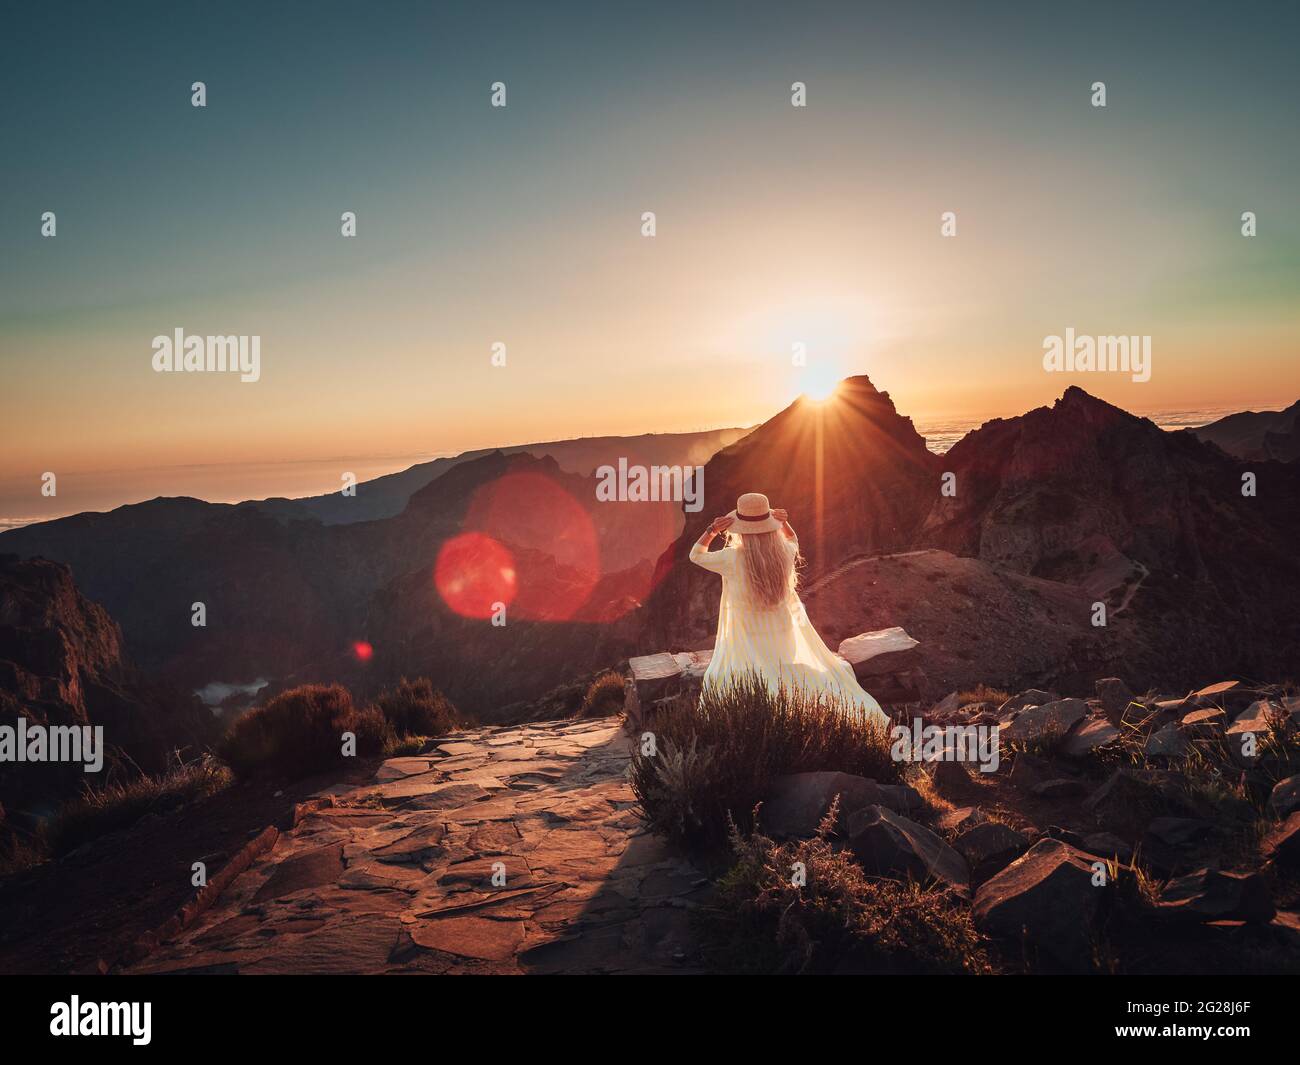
(820, 385)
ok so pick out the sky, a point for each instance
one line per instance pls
(775, 225)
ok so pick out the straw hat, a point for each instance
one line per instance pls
(753, 514)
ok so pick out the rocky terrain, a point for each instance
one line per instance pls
(1051, 512)
(1086, 494)
(62, 663)
(494, 851)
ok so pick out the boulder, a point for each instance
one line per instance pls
(1169, 742)
(1045, 900)
(1030, 697)
(949, 776)
(1282, 845)
(901, 798)
(1285, 797)
(1094, 733)
(1174, 844)
(961, 819)
(1209, 895)
(798, 801)
(990, 847)
(888, 844)
(1178, 831)
(1060, 788)
(1108, 845)
(1042, 722)
(1115, 698)
(1126, 796)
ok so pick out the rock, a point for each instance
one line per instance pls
(946, 705)
(653, 678)
(1028, 769)
(1212, 694)
(949, 776)
(1115, 698)
(1127, 798)
(1065, 836)
(990, 847)
(1245, 736)
(874, 654)
(1045, 900)
(1031, 697)
(1286, 929)
(1204, 722)
(1043, 722)
(888, 844)
(1094, 733)
(901, 798)
(798, 801)
(1282, 845)
(1060, 788)
(1174, 844)
(1169, 742)
(961, 819)
(1178, 831)
(312, 868)
(1108, 845)
(1209, 895)
(1285, 798)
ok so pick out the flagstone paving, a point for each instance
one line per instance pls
(500, 850)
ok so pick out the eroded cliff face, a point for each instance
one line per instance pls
(62, 663)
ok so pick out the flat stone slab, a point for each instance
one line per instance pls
(505, 850)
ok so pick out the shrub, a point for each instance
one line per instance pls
(98, 811)
(715, 759)
(300, 732)
(414, 708)
(604, 697)
(837, 920)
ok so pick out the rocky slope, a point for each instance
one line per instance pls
(1271, 435)
(62, 663)
(1087, 494)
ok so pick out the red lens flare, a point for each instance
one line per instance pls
(558, 561)
(362, 651)
(473, 573)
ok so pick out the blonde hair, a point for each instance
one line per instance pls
(769, 566)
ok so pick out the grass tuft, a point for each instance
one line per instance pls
(705, 763)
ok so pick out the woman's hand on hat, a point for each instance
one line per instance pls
(781, 515)
(721, 525)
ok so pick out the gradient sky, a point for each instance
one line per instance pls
(776, 224)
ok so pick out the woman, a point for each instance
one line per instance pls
(762, 625)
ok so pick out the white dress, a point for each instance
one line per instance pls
(778, 643)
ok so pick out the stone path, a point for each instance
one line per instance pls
(502, 850)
